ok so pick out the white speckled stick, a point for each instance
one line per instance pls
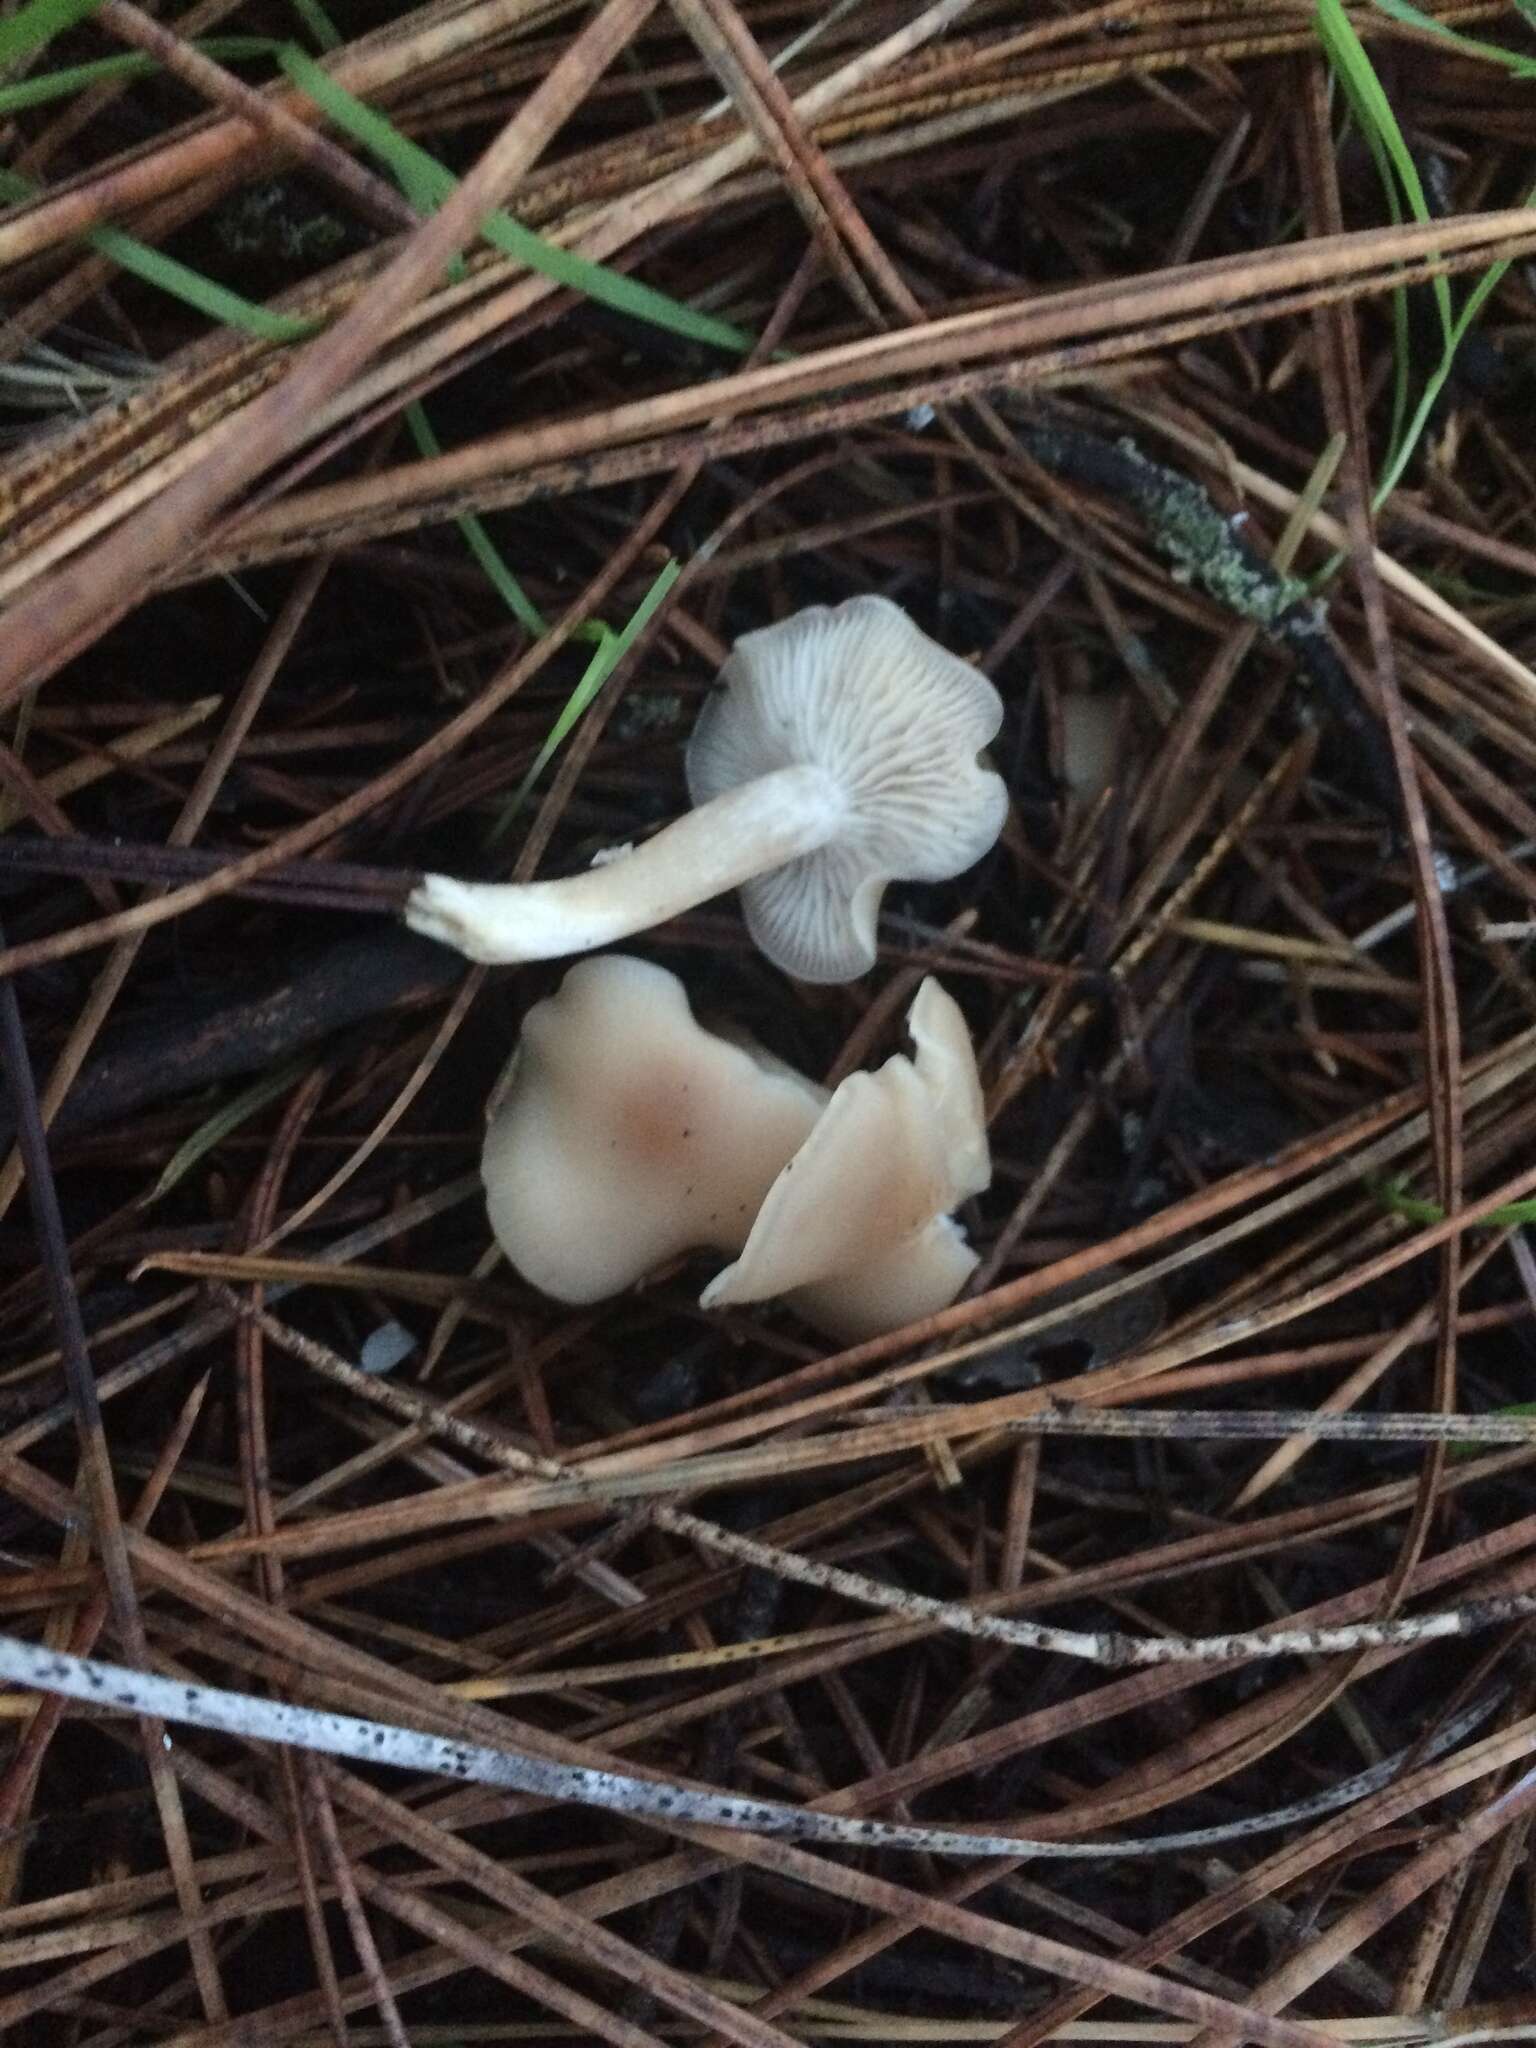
(120, 1690)
(116, 1688)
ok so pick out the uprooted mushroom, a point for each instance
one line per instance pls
(629, 1134)
(840, 755)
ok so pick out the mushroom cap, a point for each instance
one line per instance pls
(944, 1060)
(1094, 742)
(856, 1229)
(629, 1134)
(872, 1173)
(915, 1278)
(898, 721)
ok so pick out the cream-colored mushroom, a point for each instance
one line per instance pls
(856, 1233)
(1100, 750)
(840, 755)
(1093, 743)
(629, 1134)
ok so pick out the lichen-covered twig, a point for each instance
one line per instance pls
(1209, 547)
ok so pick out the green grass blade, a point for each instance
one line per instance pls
(38, 23)
(1469, 46)
(1391, 1196)
(1346, 67)
(217, 301)
(222, 1122)
(426, 183)
(203, 294)
(1476, 299)
(1402, 334)
(481, 546)
(61, 85)
(1378, 124)
(610, 651)
(476, 538)
(326, 35)
(1373, 111)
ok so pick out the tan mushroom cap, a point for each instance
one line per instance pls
(1100, 749)
(945, 1062)
(630, 1134)
(855, 1233)
(896, 723)
(1094, 741)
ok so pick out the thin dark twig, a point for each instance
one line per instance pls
(106, 1517)
(64, 1304)
(315, 884)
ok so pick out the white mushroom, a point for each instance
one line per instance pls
(629, 1134)
(840, 755)
(856, 1233)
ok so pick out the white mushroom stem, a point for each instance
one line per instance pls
(756, 827)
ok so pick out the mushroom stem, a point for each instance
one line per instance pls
(748, 831)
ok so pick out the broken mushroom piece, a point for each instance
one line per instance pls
(855, 1233)
(840, 755)
(629, 1134)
